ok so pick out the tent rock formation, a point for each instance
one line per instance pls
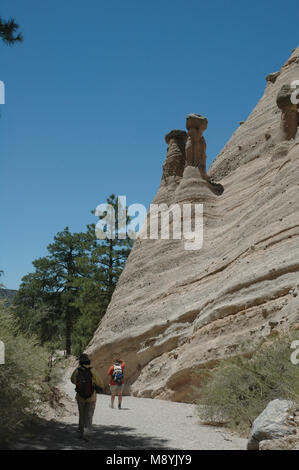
(174, 312)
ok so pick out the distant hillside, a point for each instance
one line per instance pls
(7, 295)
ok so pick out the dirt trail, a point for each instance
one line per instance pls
(141, 424)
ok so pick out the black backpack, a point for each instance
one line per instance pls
(84, 384)
(117, 374)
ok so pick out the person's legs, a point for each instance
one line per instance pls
(112, 399)
(113, 394)
(81, 408)
(90, 407)
(120, 397)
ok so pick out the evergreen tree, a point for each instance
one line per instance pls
(46, 301)
(70, 290)
(111, 253)
(109, 257)
(37, 307)
(8, 31)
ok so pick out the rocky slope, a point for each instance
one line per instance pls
(176, 311)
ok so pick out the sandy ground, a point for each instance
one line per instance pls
(141, 424)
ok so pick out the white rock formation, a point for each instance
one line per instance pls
(175, 311)
(272, 423)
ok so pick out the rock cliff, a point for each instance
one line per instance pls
(175, 311)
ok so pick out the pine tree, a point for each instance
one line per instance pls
(111, 253)
(8, 30)
(50, 292)
(70, 290)
(108, 257)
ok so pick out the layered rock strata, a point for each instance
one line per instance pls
(176, 312)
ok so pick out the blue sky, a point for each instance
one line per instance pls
(96, 85)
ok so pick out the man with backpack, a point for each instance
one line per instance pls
(88, 383)
(116, 373)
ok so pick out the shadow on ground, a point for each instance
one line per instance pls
(63, 436)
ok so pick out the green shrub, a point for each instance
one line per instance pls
(239, 389)
(21, 377)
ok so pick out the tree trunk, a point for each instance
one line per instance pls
(68, 332)
(110, 289)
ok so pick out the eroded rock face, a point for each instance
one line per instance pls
(264, 119)
(196, 144)
(175, 312)
(289, 112)
(175, 158)
(271, 77)
(196, 147)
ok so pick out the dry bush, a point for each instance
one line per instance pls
(239, 389)
(21, 377)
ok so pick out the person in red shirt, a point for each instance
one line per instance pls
(116, 373)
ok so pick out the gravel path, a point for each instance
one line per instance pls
(142, 423)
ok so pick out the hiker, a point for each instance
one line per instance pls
(88, 384)
(116, 373)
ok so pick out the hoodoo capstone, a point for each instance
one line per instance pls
(176, 313)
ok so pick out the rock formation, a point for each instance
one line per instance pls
(289, 112)
(196, 144)
(176, 312)
(274, 426)
(175, 158)
(196, 149)
(188, 150)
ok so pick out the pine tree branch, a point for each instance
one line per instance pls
(8, 32)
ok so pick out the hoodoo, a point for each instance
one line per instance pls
(175, 312)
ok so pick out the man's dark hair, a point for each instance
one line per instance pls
(84, 359)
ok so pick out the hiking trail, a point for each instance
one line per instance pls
(142, 423)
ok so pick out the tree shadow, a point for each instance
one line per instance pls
(53, 435)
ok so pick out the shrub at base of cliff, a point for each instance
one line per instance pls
(239, 389)
(21, 378)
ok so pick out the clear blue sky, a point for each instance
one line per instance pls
(96, 85)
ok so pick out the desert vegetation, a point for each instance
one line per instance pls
(23, 377)
(238, 389)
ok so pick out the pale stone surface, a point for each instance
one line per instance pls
(284, 443)
(175, 311)
(272, 423)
